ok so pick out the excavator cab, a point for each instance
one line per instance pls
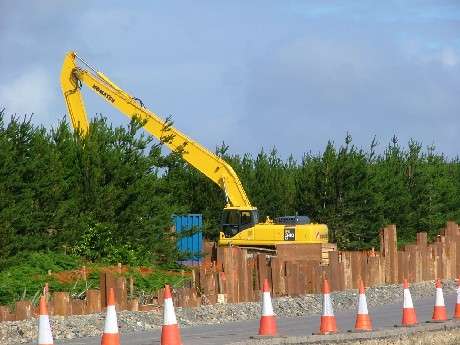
(235, 220)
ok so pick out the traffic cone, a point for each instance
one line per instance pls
(409, 318)
(439, 310)
(44, 330)
(268, 320)
(363, 320)
(111, 335)
(328, 323)
(457, 305)
(170, 334)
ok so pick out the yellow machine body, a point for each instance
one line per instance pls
(242, 226)
(269, 234)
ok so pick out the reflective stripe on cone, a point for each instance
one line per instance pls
(457, 305)
(111, 335)
(409, 317)
(44, 329)
(439, 310)
(328, 321)
(267, 324)
(363, 320)
(170, 334)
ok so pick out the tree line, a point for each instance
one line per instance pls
(110, 195)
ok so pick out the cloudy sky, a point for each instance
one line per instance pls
(289, 74)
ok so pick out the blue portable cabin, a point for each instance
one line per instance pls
(191, 245)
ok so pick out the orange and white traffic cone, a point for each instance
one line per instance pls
(170, 334)
(267, 321)
(439, 310)
(111, 335)
(328, 322)
(409, 318)
(363, 320)
(457, 305)
(44, 329)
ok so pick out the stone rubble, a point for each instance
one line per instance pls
(18, 332)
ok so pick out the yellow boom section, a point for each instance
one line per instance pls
(212, 166)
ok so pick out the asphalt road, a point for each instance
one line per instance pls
(382, 317)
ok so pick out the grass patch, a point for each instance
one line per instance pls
(24, 276)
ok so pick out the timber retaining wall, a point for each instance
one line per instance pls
(232, 275)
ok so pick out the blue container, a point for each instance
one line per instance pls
(191, 245)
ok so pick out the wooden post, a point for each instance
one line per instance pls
(23, 310)
(78, 307)
(133, 304)
(389, 250)
(4, 313)
(93, 301)
(61, 303)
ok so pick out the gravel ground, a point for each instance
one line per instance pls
(17, 332)
(450, 337)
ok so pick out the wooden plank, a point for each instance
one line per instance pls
(412, 262)
(292, 278)
(347, 270)
(23, 310)
(133, 304)
(250, 270)
(422, 239)
(262, 269)
(389, 250)
(78, 307)
(356, 265)
(4, 313)
(373, 276)
(243, 284)
(305, 252)
(443, 262)
(403, 259)
(121, 293)
(277, 271)
(61, 303)
(93, 301)
(336, 283)
(432, 261)
(451, 243)
(393, 253)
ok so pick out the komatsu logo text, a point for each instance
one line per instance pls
(103, 93)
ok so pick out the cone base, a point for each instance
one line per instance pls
(268, 326)
(439, 314)
(328, 325)
(110, 339)
(409, 317)
(170, 335)
(363, 323)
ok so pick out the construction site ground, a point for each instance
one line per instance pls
(236, 323)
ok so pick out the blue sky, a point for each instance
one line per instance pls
(289, 74)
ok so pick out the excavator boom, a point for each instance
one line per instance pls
(73, 77)
(240, 221)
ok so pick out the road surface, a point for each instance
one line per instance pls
(382, 317)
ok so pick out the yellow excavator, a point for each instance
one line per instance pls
(240, 220)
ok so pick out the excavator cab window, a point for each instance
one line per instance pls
(234, 221)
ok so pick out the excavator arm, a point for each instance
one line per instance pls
(73, 76)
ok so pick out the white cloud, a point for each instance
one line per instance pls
(449, 57)
(30, 92)
(418, 51)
